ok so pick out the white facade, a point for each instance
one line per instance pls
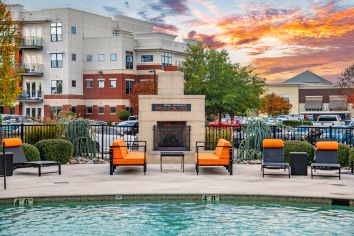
(84, 43)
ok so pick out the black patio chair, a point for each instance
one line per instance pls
(14, 145)
(273, 156)
(326, 158)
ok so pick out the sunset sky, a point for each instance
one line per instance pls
(280, 38)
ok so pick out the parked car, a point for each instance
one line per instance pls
(328, 120)
(133, 118)
(130, 127)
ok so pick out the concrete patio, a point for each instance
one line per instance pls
(94, 179)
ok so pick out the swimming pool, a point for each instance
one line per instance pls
(176, 218)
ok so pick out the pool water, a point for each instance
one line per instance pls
(176, 218)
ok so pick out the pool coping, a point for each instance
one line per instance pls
(206, 197)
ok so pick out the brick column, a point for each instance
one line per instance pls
(47, 114)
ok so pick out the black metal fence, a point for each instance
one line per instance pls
(104, 135)
(310, 134)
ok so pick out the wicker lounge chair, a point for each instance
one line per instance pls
(326, 157)
(14, 145)
(121, 156)
(273, 156)
(222, 155)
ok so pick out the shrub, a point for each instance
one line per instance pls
(299, 146)
(296, 123)
(31, 152)
(351, 154)
(123, 114)
(33, 134)
(78, 133)
(343, 154)
(55, 150)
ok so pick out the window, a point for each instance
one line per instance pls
(39, 112)
(89, 58)
(73, 56)
(129, 86)
(115, 33)
(113, 56)
(113, 83)
(100, 57)
(129, 60)
(100, 110)
(73, 29)
(54, 111)
(57, 60)
(112, 110)
(73, 109)
(56, 31)
(88, 110)
(28, 112)
(101, 83)
(129, 109)
(73, 83)
(166, 59)
(147, 58)
(56, 87)
(89, 83)
(33, 112)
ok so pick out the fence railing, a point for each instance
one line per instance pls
(104, 135)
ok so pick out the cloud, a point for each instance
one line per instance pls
(169, 7)
(209, 40)
(113, 11)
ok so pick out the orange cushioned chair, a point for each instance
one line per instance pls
(273, 156)
(121, 156)
(326, 157)
(222, 155)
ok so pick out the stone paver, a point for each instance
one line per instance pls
(91, 179)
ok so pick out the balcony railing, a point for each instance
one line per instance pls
(32, 42)
(31, 96)
(33, 69)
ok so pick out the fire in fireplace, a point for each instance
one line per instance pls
(172, 136)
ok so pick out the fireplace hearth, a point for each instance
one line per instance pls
(171, 136)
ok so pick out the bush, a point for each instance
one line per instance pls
(343, 154)
(299, 146)
(351, 154)
(33, 134)
(123, 114)
(296, 123)
(31, 152)
(59, 150)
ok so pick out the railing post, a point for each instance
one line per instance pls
(102, 141)
(22, 133)
(274, 134)
(330, 132)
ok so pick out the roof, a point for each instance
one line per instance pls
(307, 77)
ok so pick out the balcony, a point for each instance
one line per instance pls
(32, 42)
(32, 69)
(33, 96)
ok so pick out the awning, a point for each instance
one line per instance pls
(338, 105)
(313, 105)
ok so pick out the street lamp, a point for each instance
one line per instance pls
(155, 89)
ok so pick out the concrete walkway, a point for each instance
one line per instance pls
(94, 179)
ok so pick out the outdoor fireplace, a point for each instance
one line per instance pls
(171, 136)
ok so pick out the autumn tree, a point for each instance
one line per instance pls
(275, 105)
(140, 88)
(346, 82)
(10, 58)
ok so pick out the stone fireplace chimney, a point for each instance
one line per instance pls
(170, 120)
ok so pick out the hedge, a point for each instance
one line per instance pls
(31, 152)
(298, 146)
(59, 150)
(343, 155)
(34, 134)
(296, 123)
(351, 154)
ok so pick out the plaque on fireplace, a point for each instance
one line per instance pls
(171, 107)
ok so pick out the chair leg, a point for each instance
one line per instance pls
(311, 172)
(289, 171)
(263, 171)
(231, 168)
(144, 168)
(339, 173)
(197, 168)
(111, 169)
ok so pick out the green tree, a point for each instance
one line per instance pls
(10, 71)
(123, 114)
(229, 88)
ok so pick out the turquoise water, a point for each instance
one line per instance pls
(176, 218)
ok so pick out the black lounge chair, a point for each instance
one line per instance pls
(326, 158)
(14, 145)
(273, 156)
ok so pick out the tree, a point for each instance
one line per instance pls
(123, 114)
(346, 82)
(10, 58)
(140, 88)
(275, 105)
(229, 88)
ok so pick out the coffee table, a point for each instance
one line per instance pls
(172, 154)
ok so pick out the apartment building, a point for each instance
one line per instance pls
(87, 63)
